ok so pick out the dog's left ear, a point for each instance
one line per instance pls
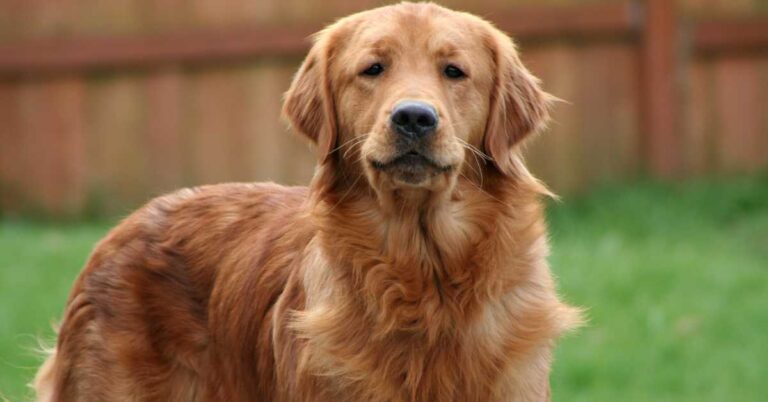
(308, 104)
(518, 107)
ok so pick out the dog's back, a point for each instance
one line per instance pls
(136, 326)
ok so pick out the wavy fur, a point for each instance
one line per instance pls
(348, 290)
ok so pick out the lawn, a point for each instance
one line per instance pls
(675, 280)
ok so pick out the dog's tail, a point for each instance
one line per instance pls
(44, 382)
(49, 382)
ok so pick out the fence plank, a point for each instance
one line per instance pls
(740, 105)
(52, 153)
(557, 154)
(118, 164)
(217, 111)
(165, 148)
(11, 182)
(279, 155)
(660, 100)
(700, 120)
(608, 90)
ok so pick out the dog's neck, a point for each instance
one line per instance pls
(417, 264)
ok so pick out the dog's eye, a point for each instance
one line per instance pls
(374, 70)
(453, 72)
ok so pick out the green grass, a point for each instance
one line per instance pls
(38, 264)
(675, 280)
(676, 283)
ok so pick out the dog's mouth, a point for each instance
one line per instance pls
(410, 159)
(411, 167)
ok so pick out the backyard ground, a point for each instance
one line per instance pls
(674, 278)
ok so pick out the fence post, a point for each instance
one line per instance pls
(660, 99)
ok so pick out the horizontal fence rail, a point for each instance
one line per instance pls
(67, 55)
(50, 56)
(731, 36)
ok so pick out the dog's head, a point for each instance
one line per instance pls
(407, 93)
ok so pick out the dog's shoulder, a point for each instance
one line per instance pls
(222, 201)
(204, 215)
(189, 234)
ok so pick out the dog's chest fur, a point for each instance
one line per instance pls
(451, 306)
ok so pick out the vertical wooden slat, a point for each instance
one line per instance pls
(118, 161)
(65, 106)
(32, 156)
(52, 162)
(660, 99)
(210, 13)
(10, 146)
(241, 125)
(629, 157)
(107, 17)
(166, 15)
(266, 152)
(698, 146)
(608, 129)
(279, 155)
(740, 109)
(163, 129)
(763, 122)
(297, 149)
(217, 108)
(557, 154)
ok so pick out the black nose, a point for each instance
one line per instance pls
(414, 119)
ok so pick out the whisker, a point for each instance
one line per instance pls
(351, 147)
(355, 140)
(475, 154)
(479, 168)
(474, 149)
(476, 171)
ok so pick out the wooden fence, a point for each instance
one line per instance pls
(101, 108)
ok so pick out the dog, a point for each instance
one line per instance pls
(413, 267)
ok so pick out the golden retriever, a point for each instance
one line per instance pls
(413, 268)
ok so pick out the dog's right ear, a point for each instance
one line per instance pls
(518, 107)
(308, 103)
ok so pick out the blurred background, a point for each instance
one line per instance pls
(660, 152)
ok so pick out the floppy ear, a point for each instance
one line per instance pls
(308, 104)
(518, 106)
